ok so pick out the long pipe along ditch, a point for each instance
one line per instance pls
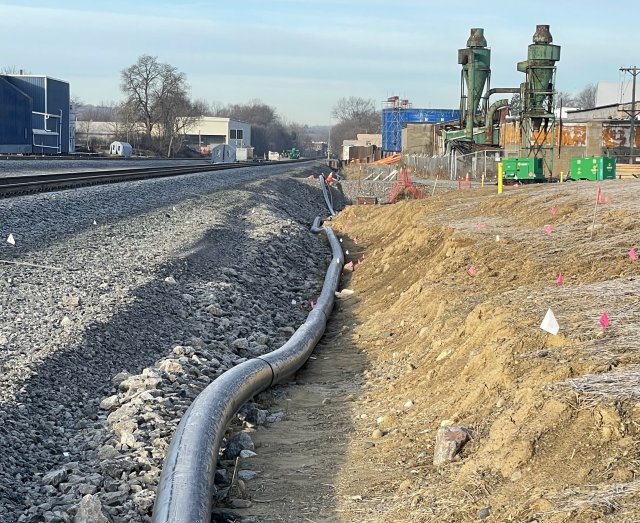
(186, 487)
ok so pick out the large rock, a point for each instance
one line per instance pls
(252, 414)
(241, 441)
(54, 477)
(90, 511)
(449, 442)
(110, 403)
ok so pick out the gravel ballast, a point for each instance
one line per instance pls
(122, 303)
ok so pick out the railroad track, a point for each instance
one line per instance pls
(20, 185)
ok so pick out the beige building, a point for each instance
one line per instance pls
(209, 131)
(203, 135)
(366, 148)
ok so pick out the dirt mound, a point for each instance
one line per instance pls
(449, 293)
(449, 298)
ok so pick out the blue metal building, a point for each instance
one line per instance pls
(394, 119)
(50, 106)
(15, 120)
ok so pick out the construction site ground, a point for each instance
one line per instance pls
(443, 328)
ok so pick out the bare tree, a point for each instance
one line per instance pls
(564, 99)
(355, 115)
(354, 109)
(151, 88)
(586, 99)
(180, 116)
(12, 69)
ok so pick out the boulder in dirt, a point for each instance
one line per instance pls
(449, 442)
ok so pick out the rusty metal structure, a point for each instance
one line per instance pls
(537, 97)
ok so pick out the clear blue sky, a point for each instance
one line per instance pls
(301, 56)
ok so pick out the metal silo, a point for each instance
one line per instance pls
(537, 92)
(476, 70)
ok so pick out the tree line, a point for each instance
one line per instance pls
(157, 113)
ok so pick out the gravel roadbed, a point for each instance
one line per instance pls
(118, 305)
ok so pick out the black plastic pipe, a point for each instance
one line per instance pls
(186, 487)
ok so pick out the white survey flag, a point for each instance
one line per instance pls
(11, 239)
(550, 324)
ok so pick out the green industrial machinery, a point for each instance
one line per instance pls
(537, 95)
(523, 169)
(596, 168)
(476, 71)
(476, 114)
(293, 153)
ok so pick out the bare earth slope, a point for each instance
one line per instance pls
(425, 340)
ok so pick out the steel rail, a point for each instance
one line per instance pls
(19, 185)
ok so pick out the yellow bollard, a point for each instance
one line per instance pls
(499, 177)
(561, 176)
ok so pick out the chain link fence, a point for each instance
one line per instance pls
(474, 166)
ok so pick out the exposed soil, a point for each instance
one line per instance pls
(443, 328)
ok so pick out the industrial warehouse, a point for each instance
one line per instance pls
(35, 115)
(420, 313)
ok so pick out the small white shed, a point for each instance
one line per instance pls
(244, 153)
(121, 149)
(223, 153)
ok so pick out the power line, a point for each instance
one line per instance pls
(633, 71)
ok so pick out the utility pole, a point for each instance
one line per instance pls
(633, 113)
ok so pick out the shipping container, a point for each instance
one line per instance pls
(394, 119)
(15, 120)
(51, 101)
(595, 168)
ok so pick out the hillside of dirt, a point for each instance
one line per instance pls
(443, 328)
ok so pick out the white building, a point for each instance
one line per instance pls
(209, 131)
(609, 93)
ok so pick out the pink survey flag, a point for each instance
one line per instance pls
(479, 226)
(472, 270)
(548, 229)
(604, 321)
(559, 279)
(632, 254)
(553, 211)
